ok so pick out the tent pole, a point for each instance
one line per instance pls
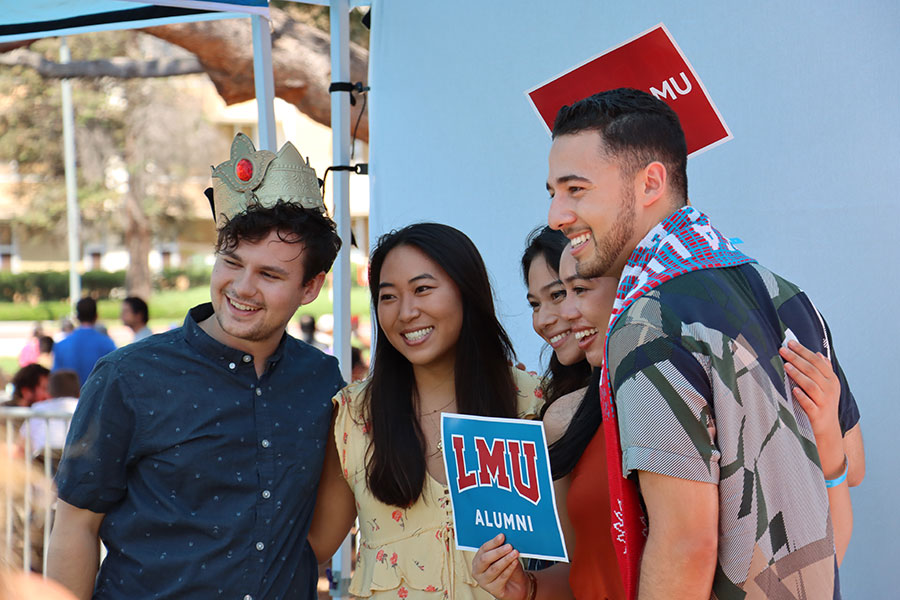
(264, 81)
(72, 213)
(340, 148)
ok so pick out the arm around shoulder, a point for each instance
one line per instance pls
(74, 552)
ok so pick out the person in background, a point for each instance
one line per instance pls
(45, 349)
(308, 332)
(359, 368)
(135, 314)
(29, 385)
(63, 389)
(31, 351)
(81, 349)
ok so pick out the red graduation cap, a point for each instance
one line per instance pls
(652, 62)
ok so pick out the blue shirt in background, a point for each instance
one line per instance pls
(81, 350)
(206, 474)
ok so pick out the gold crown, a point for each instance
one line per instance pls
(262, 177)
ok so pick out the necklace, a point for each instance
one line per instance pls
(429, 413)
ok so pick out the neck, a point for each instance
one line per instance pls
(435, 385)
(260, 351)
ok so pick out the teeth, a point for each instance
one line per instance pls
(559, 336)
(417, 335)
(240, 306)
(581, 239)
(584, 333)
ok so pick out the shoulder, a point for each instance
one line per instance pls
(350, 397)
(530, 393)
(559, 414)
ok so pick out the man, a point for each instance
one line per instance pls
(30, 385)
(708, 428)
(195, 455)
(135, 315)
(63, 389)
(82, 348)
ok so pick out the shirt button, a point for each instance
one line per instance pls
(260, 546)
(247, 358)
(231, 366)
(266, 494)
(259, 391)
(265, 443)
(248, 597)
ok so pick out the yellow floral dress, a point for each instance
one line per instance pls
(408, 552)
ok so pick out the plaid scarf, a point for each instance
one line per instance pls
(684, 242)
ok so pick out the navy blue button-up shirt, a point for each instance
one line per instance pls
(206, 474)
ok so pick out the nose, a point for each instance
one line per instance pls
(545, 317)
(560, 214)
(244, 285)
(409, 307)
(568, 309)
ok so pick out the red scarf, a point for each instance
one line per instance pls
(682, 243)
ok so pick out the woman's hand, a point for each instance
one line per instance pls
(497, 570)
(819, 390)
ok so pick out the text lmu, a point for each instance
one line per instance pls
(492, 466)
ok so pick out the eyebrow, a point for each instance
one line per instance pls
(572, 278)
(568, 178)
(551, 284)
(385, 284)
(271, 268)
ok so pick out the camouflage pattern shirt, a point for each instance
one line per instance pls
(701, 394)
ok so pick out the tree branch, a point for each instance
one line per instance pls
(122, 68)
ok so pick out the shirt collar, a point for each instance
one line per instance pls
(207, 345)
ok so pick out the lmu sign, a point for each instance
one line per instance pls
(498, 476)
(652, 62)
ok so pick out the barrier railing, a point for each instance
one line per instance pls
(28, 500)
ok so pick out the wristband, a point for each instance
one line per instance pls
(830, 483)
(532, 585)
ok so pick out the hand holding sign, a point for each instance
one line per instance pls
(498, 473)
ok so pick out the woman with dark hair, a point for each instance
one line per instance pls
(439, 348)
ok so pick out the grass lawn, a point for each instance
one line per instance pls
(166, 306)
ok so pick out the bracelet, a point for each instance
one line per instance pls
(532, 585)
(830, 483)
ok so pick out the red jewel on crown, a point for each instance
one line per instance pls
(244, 169)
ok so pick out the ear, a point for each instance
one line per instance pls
(310, 290)
(651, 183)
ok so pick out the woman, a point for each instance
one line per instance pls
(439, 348)
(593, 573)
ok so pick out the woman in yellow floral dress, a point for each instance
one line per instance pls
(439, 348)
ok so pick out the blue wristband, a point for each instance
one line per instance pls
(830, 483)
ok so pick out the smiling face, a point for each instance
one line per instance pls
(546, 295)
(588, 304)
(419, 308)
(592, 204)
(256, 288)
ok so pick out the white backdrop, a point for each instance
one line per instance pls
(811, 95)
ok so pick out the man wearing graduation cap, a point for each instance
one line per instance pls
(194, 457)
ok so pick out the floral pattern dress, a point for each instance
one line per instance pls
(408, 552)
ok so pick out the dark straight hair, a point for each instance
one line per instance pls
(559, 379)
(395, 463)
